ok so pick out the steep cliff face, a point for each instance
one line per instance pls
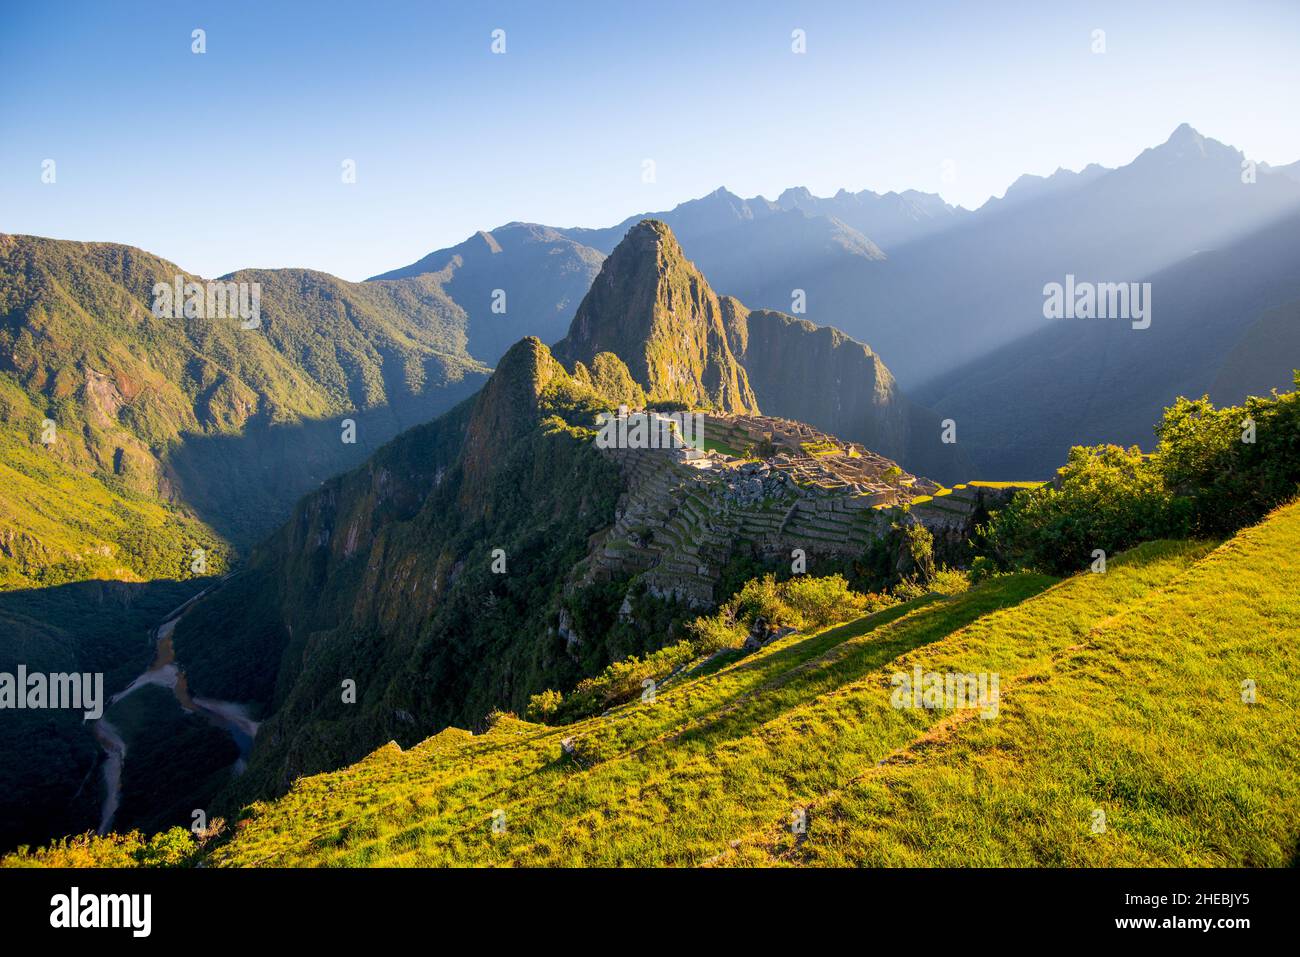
(653, 309)
(818, 375)
(431, 578)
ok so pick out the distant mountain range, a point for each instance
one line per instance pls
(872, 316)
(1224, 323)
(940, 293)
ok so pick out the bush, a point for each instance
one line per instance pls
(1104, 497)
(910, 588)
(818, 602)
(757, 598)
(802, 602)
(619, 683)
(716, 633)
(176, 847)
(542, 707)
(1228, 482)
(1206, 477)
(982, 569)
(950, 581)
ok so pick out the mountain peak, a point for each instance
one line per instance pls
(648, 231)
(1185, 142)
(651, 307)
(506, 407)
(1185, 133)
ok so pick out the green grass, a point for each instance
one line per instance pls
(1119, 692)
(713, 445)
(719, 757)
(1143, 721)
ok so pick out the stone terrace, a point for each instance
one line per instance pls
(816, 459)
(681, 520)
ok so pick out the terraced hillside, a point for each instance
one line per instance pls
(1120, 693)
(682, 521)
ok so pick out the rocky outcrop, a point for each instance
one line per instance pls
(653, 309)
(821, 376)
(818, 375)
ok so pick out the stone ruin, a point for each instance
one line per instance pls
(687, 511)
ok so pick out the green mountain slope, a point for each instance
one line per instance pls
(517, 280)
(384, 577)
(189, 431)
(1119, 691)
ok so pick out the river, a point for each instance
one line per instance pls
(230, 716)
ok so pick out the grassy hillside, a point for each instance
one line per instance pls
(1120, 691)
(59, 524)
(1143, 720)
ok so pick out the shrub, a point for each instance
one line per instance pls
(910, 588)
(802, 602)
(982, 569)
(1104, 497)
(918, 548)
(176, 847)
(950, 581)
(715, 633)
(818, 602)
(542, 707)
(1205, 477)
(757, 598)
(621, 681)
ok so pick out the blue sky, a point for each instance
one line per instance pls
(232, 158)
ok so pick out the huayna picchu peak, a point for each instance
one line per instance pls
(653, 309)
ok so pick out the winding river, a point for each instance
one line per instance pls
(231, 717)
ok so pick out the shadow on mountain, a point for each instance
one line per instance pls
(50, 761)
(245, 485)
